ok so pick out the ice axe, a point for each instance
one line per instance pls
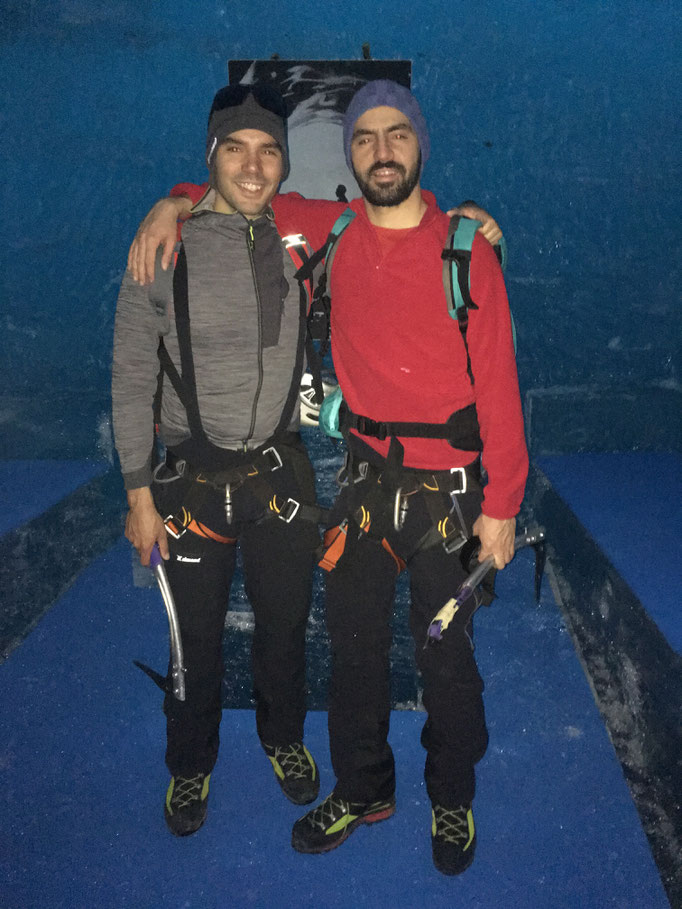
(534, 537)
(176, 683)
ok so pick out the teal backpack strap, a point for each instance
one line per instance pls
(332, 243)
(329, 414)
(457, 278)
(456, 258)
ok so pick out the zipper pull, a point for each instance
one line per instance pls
(250, 239)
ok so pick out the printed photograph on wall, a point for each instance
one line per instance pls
(317, 93)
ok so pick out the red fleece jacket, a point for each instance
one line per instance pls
(398, 354)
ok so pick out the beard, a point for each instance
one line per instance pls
(395, 193)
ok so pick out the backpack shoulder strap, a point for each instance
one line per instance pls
(456, 258)
(332, 243)
(161, 289)
(328, 247)
(300, 253)
(161, 297)
(319, 314)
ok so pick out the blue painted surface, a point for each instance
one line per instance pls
(558, 116)
(82, 777)
(630, 504)
(28, 488)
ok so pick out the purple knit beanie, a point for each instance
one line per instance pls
(385, 93)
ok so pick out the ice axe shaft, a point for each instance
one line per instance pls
(177, 659)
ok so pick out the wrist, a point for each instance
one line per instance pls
(181, 205)
(140, 499)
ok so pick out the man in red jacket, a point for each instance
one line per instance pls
(401, 358)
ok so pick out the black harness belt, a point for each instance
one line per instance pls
(253, 470)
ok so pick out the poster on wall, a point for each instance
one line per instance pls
(317, 93)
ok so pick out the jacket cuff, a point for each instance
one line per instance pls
(137, 478)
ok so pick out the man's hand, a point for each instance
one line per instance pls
(489, 226)
(497, 539)
(144, 525)
(159, 228)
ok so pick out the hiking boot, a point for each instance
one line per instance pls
(453, 838)
(296, 771)
(186, 803)
(334, 819)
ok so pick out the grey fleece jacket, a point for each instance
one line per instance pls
(244, 322)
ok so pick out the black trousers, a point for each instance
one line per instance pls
(278, 561)
(360, 593)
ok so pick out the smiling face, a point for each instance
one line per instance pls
(248, 171)
(386, 157)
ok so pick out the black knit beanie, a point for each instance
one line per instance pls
(226, 118)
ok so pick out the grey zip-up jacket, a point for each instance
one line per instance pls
(244, 322)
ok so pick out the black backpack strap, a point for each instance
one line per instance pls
(319, 314)
(188, 392)
(294, 387)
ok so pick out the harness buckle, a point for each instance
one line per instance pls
(171, 529)
(454, 542)
(463, 480)
(367, 427)
(289, 510)
(460, 256)
(275, 454)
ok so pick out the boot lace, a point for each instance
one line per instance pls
(328, 812)
(293, 761)
(186, 790)
(452, 824)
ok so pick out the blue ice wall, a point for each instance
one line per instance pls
(560, 117)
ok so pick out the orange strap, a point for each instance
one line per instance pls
(401, 564)
(201, 530)
(334, 543)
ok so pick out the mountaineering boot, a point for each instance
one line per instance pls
(186, 803)
(334, 819)
(296, 771)
(453, 838)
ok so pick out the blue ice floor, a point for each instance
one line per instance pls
(631, 504)
(82, 779)
(28, 488)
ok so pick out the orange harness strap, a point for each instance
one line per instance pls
(334, 543)
(201, 530)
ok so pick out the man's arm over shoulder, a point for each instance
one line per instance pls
(159, 229)
(498, 401)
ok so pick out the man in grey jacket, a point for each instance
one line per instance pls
(228, 327)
